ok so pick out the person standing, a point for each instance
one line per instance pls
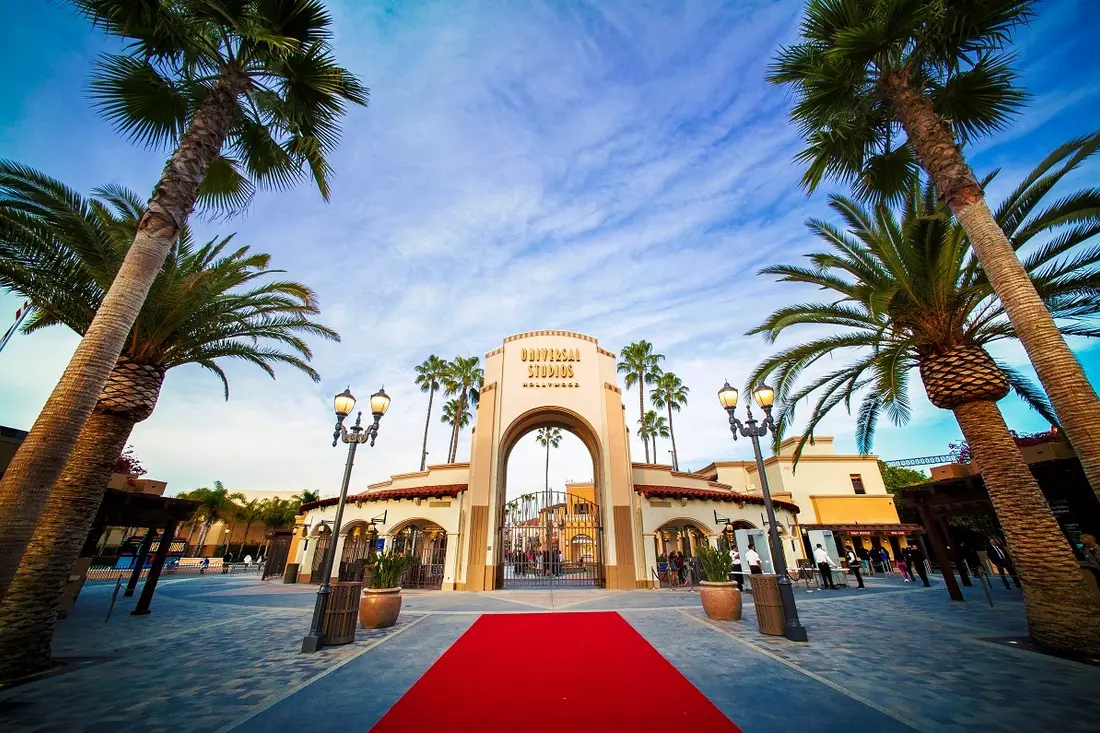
(738, 574)
(854, 565)
(825, 565)
(755, 565)
(1000, 559)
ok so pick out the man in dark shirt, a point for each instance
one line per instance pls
(999, 557)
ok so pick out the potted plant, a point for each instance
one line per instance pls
(720, 597)
(382, 597)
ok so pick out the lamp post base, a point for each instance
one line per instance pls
(793, 630)
(313, 642)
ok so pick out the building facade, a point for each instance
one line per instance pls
(610, 532)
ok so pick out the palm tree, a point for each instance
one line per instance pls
(209, 304)
(464, 377)
(639, 364)
(457, 416)
(215, 505)
(670, 393)
(248, 513)
(885, 87)
(305, 496)
(910, 294)
(651, 427)
(548, 438)
(244, 93)
(429, 377)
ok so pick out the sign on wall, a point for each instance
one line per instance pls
(551, 367)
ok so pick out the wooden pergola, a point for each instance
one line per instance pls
(149, 512)
(1062, 481)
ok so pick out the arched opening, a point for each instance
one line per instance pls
(549, 509)
(679, 536)
(359, 542)
(322, 538)
(426, 543)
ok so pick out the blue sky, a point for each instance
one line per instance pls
(618, 169)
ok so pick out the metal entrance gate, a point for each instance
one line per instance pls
(278, 547)
(426, 544)
(551, 539)
(354, 558)
(319, 557)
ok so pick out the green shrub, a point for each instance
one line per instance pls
(387, 569)
(717, 564)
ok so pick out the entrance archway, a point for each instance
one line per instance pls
(426, 543)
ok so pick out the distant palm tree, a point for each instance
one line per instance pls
(457, 416)
(248, 512)
(215, 505)
(651, 427)
(429, 377)
(243, 93)
(548, 438)
(464, 377)
(906, 293)
(886, 87)
(640, 364)
(305, 496)
(209, 304)
(670, 393)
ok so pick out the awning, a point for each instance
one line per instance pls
(869, 530)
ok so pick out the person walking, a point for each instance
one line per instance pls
(825, 565)
(999, 557)
(854, 565)
(204, 565)
(915, 558)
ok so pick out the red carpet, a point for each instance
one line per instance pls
(553, 673)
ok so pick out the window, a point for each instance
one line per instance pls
(857, 483)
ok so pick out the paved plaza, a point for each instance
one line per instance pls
(220, 653)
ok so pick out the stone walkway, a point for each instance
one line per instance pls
(221, 653)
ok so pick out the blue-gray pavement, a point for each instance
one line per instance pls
(356, 696)
(222, 653)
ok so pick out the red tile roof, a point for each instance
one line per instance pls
(680, 492)
(416, 492)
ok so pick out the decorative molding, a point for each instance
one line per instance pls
(488, 387)
(418, 492)
(532, 334)
(612, 387)
(605, 352)
(494, 352)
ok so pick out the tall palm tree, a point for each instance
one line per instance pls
(244, 93)
(885, 87)
(455, 414)
(548, 438)
(305, 496)
(249, 512)
(429, 377)
(670, 393)
(651, 427)
(640, 365)
(908, 293)
(464, 377)
(209, 304)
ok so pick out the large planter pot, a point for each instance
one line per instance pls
(379, 608)
(721, 601)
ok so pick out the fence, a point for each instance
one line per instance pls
(104, 572)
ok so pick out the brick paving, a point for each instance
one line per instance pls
(221, 653)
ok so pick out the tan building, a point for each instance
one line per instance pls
(235, 535)
(608, 532)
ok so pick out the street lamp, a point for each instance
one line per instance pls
(343, 404)
(765, 396)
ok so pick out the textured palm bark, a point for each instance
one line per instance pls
(672, 436)
(39, 461)
(427, 424)
(29, 610)
(1073, 397)
(1061, 611)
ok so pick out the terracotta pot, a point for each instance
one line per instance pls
(380, 607)
(721, 601)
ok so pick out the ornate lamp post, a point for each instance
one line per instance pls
(344, 403)
(765, 396)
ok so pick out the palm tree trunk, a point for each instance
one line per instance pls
(30, 607)
(43, 455)
(206, 525)
(1061, 612)
(641, 412)
(244, 539)
(1072, 396)
(672, 436)
(427, 424)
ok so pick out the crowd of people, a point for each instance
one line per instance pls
(536, 562)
